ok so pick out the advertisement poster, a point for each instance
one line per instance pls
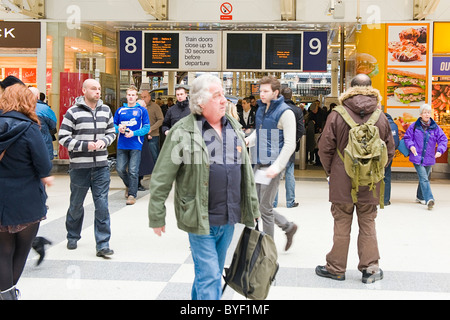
(71, 84)
(371, 55)
(406, 76)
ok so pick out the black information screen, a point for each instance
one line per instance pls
(244, 51)
(283, 51)
(161, 50)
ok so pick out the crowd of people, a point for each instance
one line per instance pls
(225, 161)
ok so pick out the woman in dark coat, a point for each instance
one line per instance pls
(24, 171)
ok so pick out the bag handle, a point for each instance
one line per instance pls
(2, 154)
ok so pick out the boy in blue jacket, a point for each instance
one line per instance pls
(132, 123)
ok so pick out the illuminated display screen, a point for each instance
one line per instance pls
(244, 51)
(161, 50)
(283, 51)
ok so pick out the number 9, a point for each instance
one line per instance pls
(315, 44)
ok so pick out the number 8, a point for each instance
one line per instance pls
(317, 46)
(131, 45)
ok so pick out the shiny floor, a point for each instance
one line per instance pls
(413, 244)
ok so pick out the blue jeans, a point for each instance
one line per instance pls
(289, 182)
(424, 188)
(209, 253)
(97, 179)
(387, 183)
(132, 160)
(153, 144)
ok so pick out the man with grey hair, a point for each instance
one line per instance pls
(205, 154)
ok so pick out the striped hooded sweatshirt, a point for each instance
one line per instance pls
(82, 125)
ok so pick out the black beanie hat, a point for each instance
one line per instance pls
(9, 81)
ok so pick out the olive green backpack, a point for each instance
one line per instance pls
(365, 155)
(254, 265)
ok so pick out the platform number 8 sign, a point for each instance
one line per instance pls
(131, 50)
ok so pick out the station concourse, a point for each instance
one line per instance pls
(412, 240)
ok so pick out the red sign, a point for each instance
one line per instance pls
(71, 84)
(29, 75)
(226, 8)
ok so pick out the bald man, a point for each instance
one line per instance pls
(86, 131)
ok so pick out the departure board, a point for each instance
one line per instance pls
(161, 50)
(243, 51)
(283, 51)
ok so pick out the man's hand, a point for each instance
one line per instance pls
(159, 230)
(438, 154)
(48, 181)
(271, 173)
(122, 128)
(413, 150)
(100, 144)
(92, 145)
(129, 134)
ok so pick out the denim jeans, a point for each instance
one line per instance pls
(97, 179)
(387, 183)
(209, 253)
(424, 188)
(153, 144)
(130, 159)
(289, 182)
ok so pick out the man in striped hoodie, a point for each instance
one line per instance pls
(86, 131)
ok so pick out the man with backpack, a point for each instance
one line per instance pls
(360, 102)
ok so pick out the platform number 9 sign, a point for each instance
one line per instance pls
(314, 51)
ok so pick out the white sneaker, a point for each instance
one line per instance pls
(430, 204)
(420, 201)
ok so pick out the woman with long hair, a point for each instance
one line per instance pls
(24, 171)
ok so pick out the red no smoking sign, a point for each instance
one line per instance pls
(226, 8)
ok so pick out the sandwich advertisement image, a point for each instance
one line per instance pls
(406, 76)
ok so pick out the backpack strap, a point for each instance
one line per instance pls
(374, 117)
(341, 110)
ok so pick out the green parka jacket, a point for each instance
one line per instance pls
(184, 159)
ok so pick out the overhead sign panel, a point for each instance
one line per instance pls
(200, 51)
(161, 50)
(130, 50)
(243, 51)
(223, 51)
(284, 51)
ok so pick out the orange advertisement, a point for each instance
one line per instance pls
(371, 54)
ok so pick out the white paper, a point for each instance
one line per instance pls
(261, 177)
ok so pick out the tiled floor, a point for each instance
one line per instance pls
(413, 246)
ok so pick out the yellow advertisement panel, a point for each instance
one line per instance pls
(371, 54)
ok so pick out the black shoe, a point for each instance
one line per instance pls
(71, 244)
(294, 205)
(371, 277)
(105, 252)
(323, 272)
(39, 246)
(387, 203)
(141, 187)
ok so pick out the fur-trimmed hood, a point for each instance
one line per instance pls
(361, 99)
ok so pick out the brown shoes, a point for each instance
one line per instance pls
(131, 200)
(290, 236)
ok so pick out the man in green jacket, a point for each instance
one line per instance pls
(205, 154)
